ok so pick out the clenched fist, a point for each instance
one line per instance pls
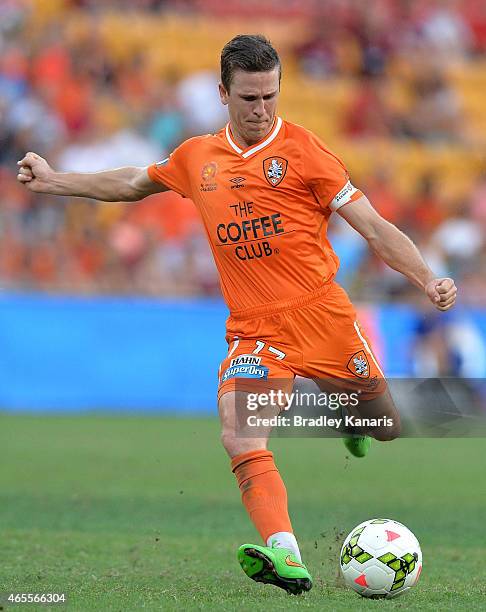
(35, 173)
(442, 293)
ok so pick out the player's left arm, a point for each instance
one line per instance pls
(398, 251)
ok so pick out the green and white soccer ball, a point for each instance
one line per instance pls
(381, 558)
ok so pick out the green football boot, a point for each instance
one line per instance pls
(278, 566)
(358, 446)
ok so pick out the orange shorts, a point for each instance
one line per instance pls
(315, 335)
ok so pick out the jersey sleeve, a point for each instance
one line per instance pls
(327, 177)
(172, 171)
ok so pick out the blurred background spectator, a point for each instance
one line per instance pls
(396, 87)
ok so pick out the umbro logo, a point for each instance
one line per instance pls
(238, 182)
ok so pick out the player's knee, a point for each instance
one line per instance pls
(237, 445)
(231, 443)
(228, 440)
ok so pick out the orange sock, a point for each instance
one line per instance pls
(263, 492)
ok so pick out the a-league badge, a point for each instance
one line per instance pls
(208, 175)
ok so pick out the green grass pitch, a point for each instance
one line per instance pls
(129, 513)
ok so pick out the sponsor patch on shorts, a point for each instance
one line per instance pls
(245, 366)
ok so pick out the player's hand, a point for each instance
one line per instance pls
(35, 173)
(442, 293)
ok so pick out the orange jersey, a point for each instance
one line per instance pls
(265, 210)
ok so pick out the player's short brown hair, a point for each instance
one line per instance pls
(248, 52)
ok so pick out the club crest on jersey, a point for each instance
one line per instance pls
(359, 365)
(275, 169)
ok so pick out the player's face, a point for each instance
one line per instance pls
(252, 102)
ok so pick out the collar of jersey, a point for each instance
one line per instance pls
(245, 153)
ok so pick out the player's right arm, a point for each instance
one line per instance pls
(120, 185)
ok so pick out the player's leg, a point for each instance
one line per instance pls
(380, 409)
(262, 489)
(373, 414)
(339, 357)
(263, 494)
(376, 406)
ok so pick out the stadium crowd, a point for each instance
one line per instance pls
(70, 93)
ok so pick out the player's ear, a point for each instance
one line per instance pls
(223, 94)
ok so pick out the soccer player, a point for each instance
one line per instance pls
(265, 189)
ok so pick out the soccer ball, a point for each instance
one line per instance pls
(381, 558)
